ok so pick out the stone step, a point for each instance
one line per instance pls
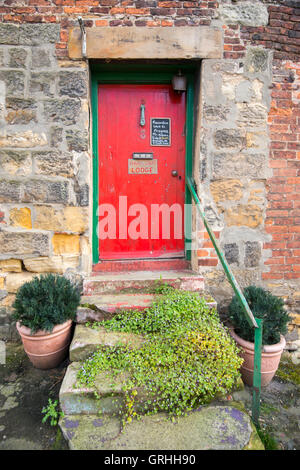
(110, 400)
(78, 400)
(103, 307)
(142, 265)
(141, 281)
(87, 340)
(207, 428)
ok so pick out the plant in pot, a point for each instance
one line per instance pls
(270, 309)
(44, 309)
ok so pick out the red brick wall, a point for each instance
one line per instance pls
(283, 214)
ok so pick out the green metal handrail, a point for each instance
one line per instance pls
(254, 322)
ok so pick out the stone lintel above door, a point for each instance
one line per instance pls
(147, 43)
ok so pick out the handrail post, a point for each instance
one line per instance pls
(256, 323)
(257, 371)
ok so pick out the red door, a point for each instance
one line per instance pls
(141, 172)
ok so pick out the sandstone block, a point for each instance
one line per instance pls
(24, 243)
(15, 162)
(44, 191)
(40, 58)
(51, 163)
(153, 43)
(215, 113)
(56, 136)
(252, 114)
(244, 215)
(17, 57)
(257, 60)
(225, 165)
(10, 191)
(77, 140)
(20, 217)
(67, 219)
(230, 139)
(15, 281)
(65, 111)
(53, 264)
(39, 33)
(82, 195)
(72, 84)
(252, 254)
(42, 84)
(11, 265)
(244, 13)
(20, 111)
(14, 81)
(226, 190)
(257, 139)
(9, 33)
(63, 243)
(231, 253)
(24, 139)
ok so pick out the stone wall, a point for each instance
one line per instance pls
(246, 165)
(44, 164)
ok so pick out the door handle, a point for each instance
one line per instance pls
(174, 173)
(142, 118)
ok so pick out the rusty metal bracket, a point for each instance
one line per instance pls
(83, 33)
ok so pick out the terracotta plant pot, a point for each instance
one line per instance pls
(46, 350)
(270, 359)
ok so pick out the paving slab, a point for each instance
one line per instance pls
(207, 428)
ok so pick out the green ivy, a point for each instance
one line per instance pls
(46, 301)
(187, 358)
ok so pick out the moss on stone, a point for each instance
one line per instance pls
(289, 371)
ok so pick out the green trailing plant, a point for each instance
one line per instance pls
(46, 301)
(265, 306)
(52, 412)
(186, 359)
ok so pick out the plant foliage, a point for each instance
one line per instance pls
(46, 301)
(51, 412)
(265, 306)
(187, 357)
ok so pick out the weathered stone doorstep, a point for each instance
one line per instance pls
(208, 428)
(103, 307)
(87, 340)
(141, 281)
(110, 394)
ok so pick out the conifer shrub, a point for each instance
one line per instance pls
(264, 305)
(46, 301)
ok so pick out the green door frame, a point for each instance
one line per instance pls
(141, 74)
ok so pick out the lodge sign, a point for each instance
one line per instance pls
(143, 167)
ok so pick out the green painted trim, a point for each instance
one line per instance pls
(258, 332)
(189, 162)
(94, 103)
(115, 74)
